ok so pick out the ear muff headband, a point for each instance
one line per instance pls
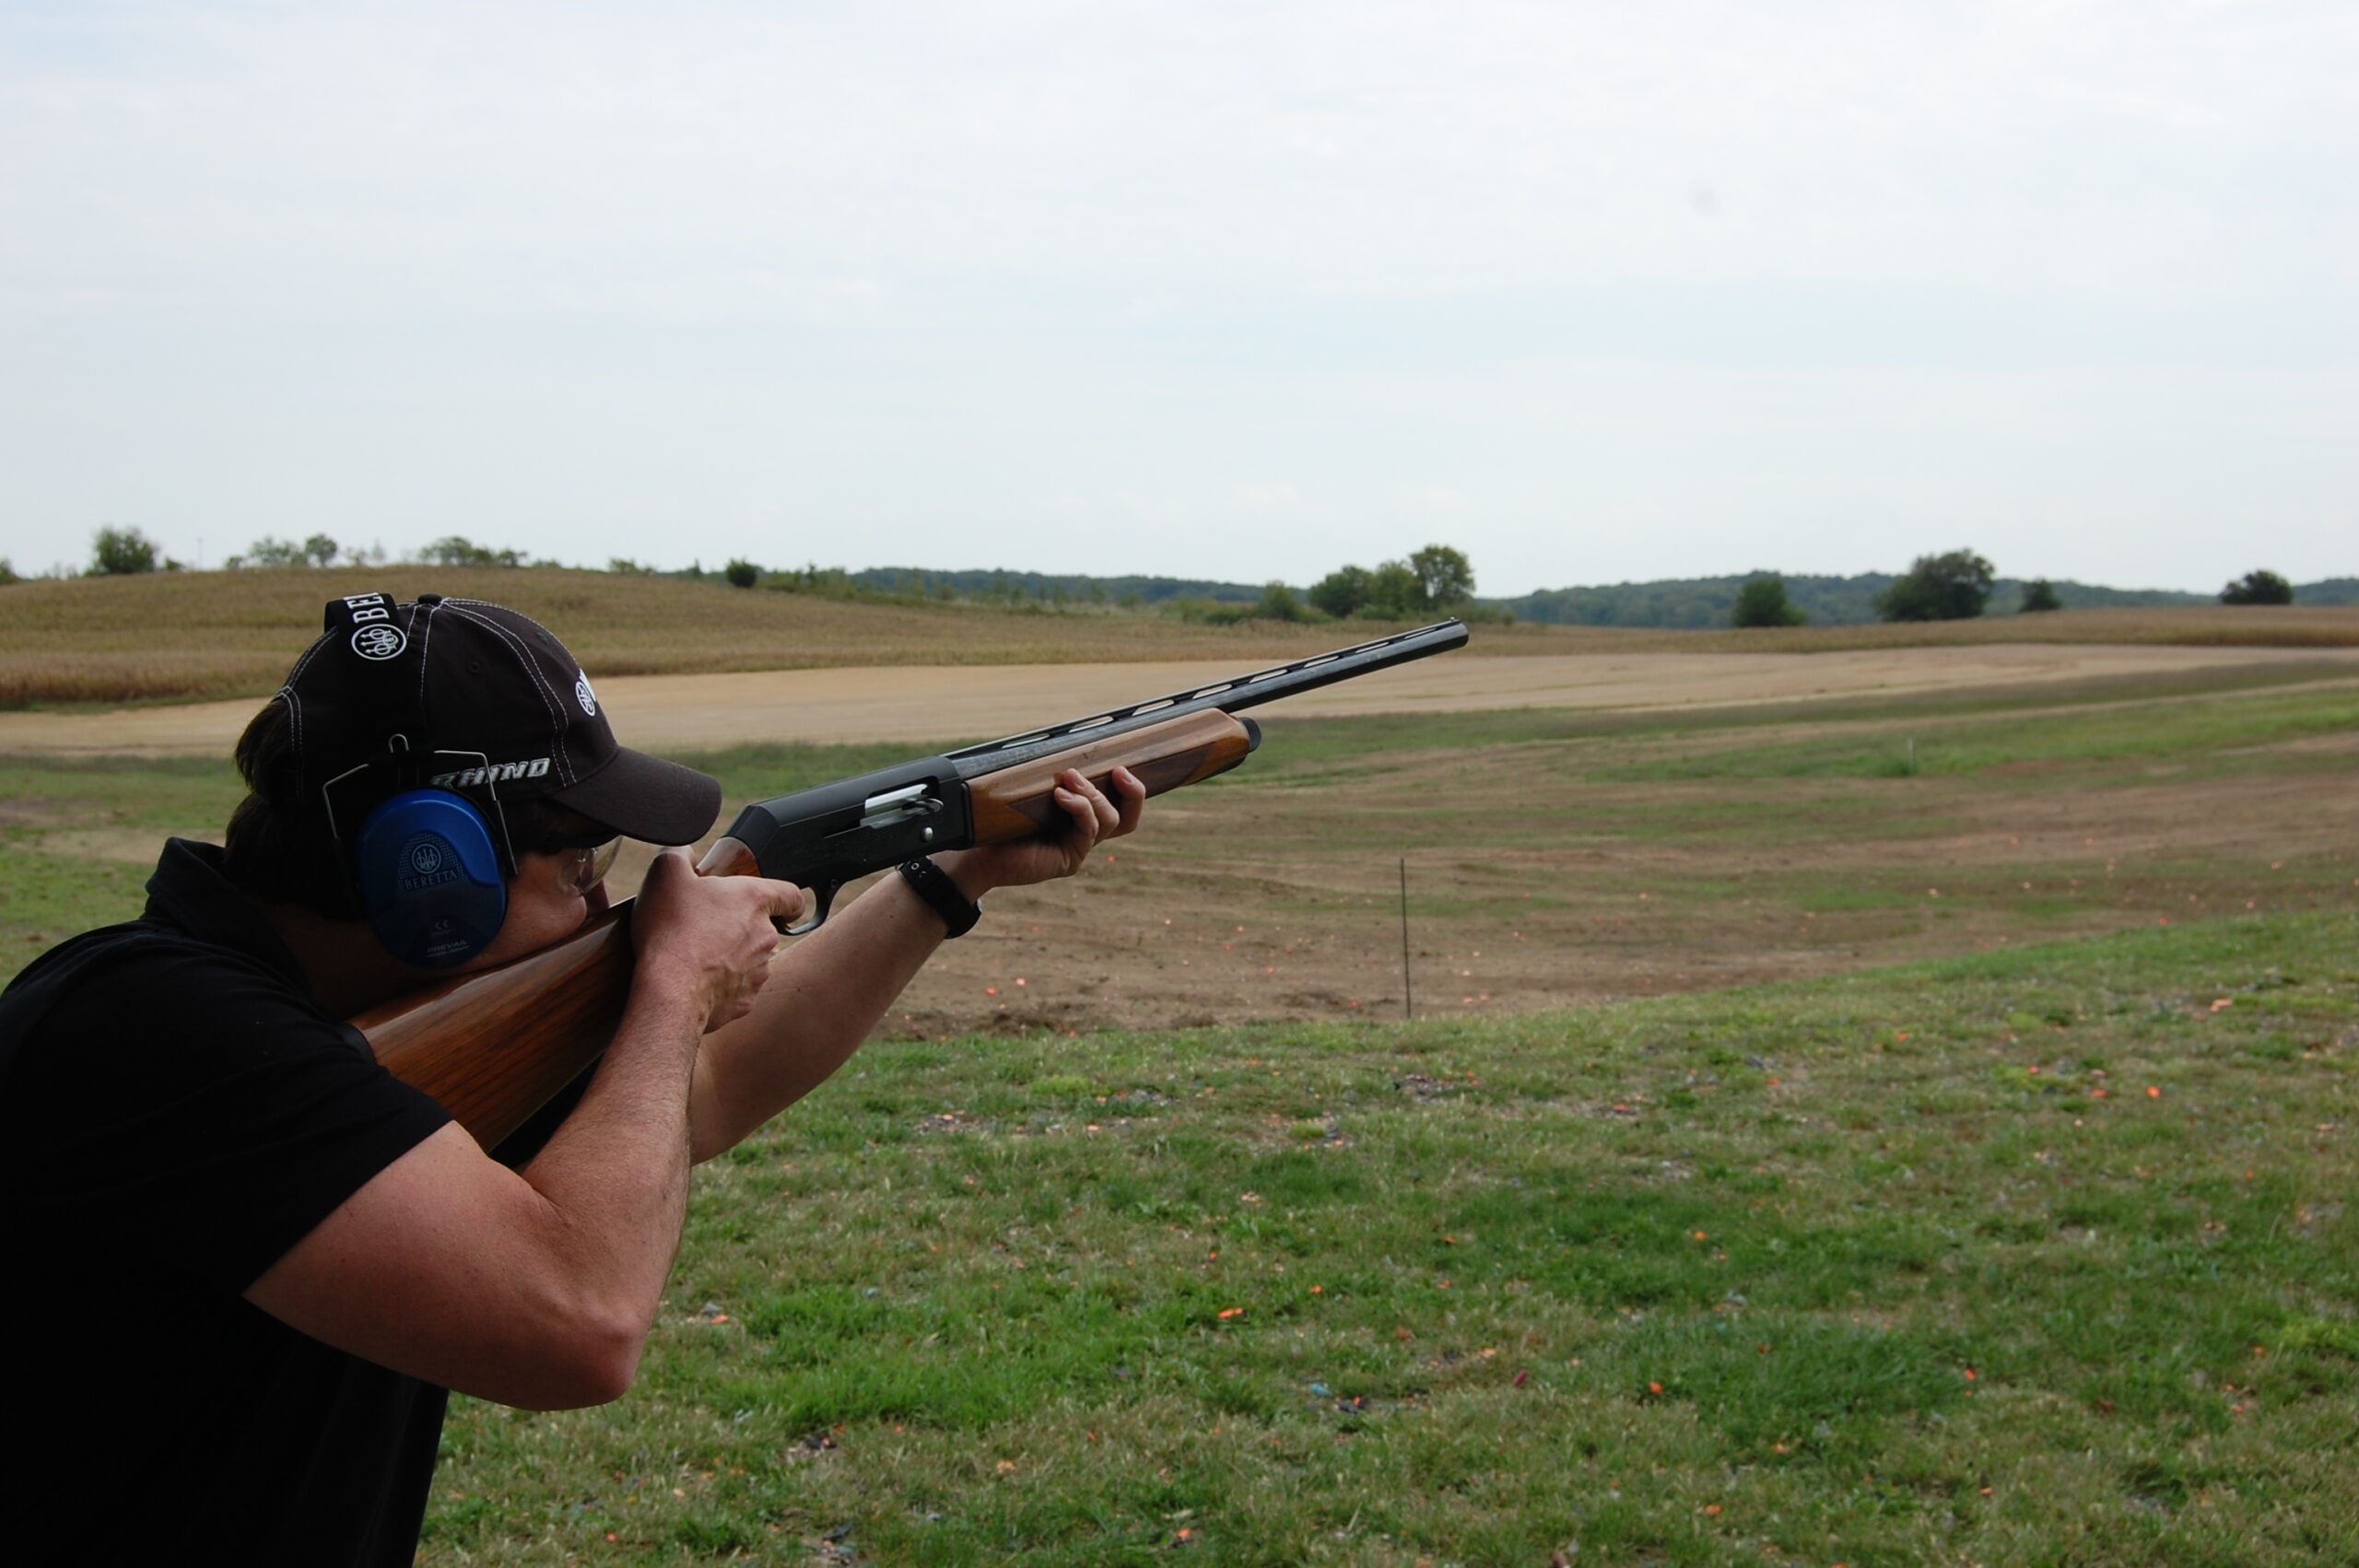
(425, 865)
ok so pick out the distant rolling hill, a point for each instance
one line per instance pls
(976, 583)
(1698, 604)
(1832, 601)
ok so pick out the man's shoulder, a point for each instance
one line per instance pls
(169, 1096)
(145, 962)
(199, 942)
(77, 958)
(144, 1000)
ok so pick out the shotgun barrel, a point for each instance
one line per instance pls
(822, 838)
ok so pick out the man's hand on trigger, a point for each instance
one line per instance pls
(1090, 818)
(713, 936)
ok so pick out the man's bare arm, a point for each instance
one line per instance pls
(538, 1287)
(827, 992)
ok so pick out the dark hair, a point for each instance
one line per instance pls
(280, 847)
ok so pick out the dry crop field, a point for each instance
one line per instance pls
(189, 635)
(180, 635)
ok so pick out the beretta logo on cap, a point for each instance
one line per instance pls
(374, 635)
(379, 642)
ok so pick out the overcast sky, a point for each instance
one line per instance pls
(1594, 292)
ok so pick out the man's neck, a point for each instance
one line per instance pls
(349, 969)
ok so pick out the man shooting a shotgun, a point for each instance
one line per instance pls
(273, 1257)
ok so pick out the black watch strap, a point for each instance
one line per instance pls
(933, 884)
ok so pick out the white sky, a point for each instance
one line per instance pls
(1239, 290)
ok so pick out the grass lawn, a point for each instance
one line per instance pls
(2036, 1256)
(2019, 1251)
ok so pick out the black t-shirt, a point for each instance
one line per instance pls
(175, 1114)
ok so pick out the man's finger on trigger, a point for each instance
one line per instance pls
(786, 901)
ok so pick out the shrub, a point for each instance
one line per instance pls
(1341, 592)
(1395, 592)
(7, 572)
(741, 573)
(1432, 578)
(2257, 588)
(1278, 603)
(1953, 587)
(456, 550)
(2040, 595)
(1445, 577)
(319, 550)
(1762, 602)
(120, 552)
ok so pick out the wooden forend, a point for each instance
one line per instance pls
(1015, 802)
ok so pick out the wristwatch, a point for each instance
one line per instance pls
(933, 884)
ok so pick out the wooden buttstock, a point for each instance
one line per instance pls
(1015, 802)
(496, 1047)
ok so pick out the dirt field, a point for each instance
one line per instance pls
(933, 704)
(1176, 932)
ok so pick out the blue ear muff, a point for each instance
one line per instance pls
(430, 878)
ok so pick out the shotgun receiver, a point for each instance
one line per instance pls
(495, 1047)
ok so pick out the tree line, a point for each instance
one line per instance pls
(1435, 580)
(1954, 585)
(1440, 579)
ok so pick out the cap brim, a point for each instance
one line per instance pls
(646, 797)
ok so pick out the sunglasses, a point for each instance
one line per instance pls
(585, 856)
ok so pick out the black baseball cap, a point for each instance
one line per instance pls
(460, 694)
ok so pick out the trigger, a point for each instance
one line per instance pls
(822, 900)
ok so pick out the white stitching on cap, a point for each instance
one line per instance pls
(561, 716)
(295, 706)
(555, 704)
(555, 710)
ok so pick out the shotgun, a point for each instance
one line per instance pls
(495, 1047)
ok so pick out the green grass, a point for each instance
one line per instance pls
(1906, 1266)
(1314, 1293)
(1311, 751)
(2173, 730)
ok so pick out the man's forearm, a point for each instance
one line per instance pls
(824, 996)
(617, 1172)
(533, 1289)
